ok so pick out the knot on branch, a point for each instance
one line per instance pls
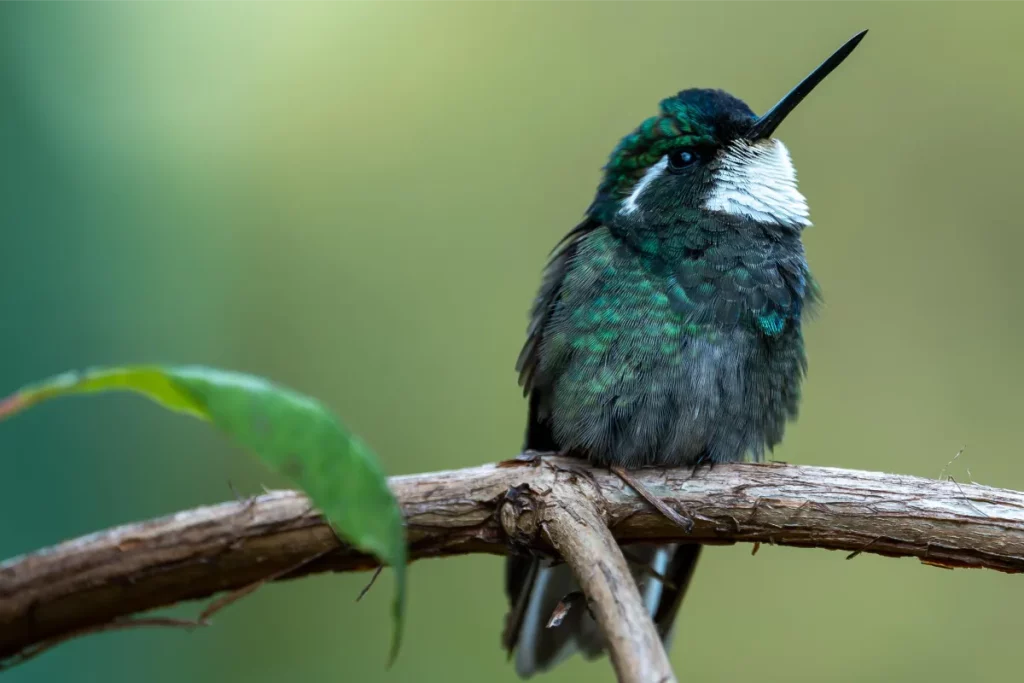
(520, 514)
(525, 508)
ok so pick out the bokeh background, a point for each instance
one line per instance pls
(357, 200)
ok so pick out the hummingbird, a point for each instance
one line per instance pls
(667, 332)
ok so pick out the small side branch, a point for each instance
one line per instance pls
(574, 524)
(107, 576)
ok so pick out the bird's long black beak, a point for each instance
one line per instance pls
(767, 124)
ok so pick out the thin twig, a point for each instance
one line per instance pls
(942, 474)
(122, 624)
(965, 498)
(659, 505)
(234, 596)
(860, 550)
(563, 607)
(368, 586)
(37, 649)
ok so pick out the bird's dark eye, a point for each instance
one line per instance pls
(678, 159)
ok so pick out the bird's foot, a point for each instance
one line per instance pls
(529, 458)
(686, 522)
(703, 461)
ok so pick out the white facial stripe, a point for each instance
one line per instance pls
(630, 205)
(757, 180)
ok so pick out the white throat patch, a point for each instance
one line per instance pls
(757, 181)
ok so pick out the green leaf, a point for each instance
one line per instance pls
(294, 434)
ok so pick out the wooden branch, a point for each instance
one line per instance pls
(101, 578)
(571, 518)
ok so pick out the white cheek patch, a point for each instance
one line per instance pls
(629, 205)
(757, 181)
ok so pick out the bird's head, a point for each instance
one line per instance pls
(705, 154)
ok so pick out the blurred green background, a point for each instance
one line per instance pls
(357, 200)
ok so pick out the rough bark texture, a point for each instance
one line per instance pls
(96, 579)
(570, 515)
